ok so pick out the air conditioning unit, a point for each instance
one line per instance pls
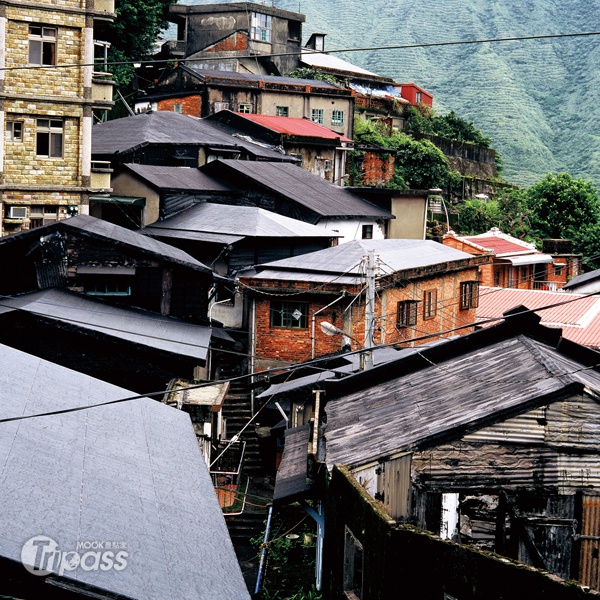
(18, 212)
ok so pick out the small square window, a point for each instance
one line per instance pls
(337, 118)
(558, 269)
(42, 45)
(429, 304)
(49, 138)
(317, 115)
(217, 106)
(177, 108)
(245, 108)
(407, 313)
(469, 295)
(14, 131)
(367, 232)
(289, 315)
(283, 111)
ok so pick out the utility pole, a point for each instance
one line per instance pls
(369, 312)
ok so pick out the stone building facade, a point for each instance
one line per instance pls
(48, 93)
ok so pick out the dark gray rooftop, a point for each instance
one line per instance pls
(179, 178)
(213, 75)
(291, 479)
(393, 255)
(243, 221)
(140, 327)
(582, 279)
(307, 189)
(130, 473)
(111, 233)
(166, 127)
(404, 412)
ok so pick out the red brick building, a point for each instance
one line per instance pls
(423, 291)
(517, 264)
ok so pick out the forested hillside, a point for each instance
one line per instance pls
(538, 100)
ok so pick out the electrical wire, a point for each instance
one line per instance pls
(306, 51)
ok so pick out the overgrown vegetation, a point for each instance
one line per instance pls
(290, 567)
(308, 73)
(419, 164)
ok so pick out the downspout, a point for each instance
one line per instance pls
(313, 338)
(263, 552)
(252, 350)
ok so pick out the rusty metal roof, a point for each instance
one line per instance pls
(577, 315)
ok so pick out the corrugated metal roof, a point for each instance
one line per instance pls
(213, 75)
(179, 178)
(535, 258)
(578, 317)
(330, 61)
(406, 411)
(393, 255)
(291, 479)
(294, 183)
(166, 127)
(498, 245)
(130, 473)
(297, 127)
(581, 279)
(243, 221)
(114, 234)
(140, 327)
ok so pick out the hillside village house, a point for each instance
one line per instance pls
(221, 36)
(202, 92)
(423, 290)
(45, 151)
(509, 465)
(517, 264)
(320, 150)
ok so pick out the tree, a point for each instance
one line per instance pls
(133, 34)
(561, 206)
(477, 216)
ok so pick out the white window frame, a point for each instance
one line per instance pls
(245, 108)
(54, 131)
(317, 115)
(261, 27)
(42, 45)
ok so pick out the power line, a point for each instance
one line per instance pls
(307, 51)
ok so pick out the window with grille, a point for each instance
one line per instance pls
(49, 138)
(469, 295)
(261, 27)
(337, 117)
(429, 304)
(317, 115)
(406, 315)
(290, 315)
(42, 45)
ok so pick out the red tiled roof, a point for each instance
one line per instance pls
(498, 245)
(292, 126)
(579, 319)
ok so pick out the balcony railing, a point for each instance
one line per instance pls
(551, 286)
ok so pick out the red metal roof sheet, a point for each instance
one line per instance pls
(579, 318)
(498, 245)
(292, 126)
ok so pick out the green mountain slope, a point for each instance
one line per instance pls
(539, 100)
